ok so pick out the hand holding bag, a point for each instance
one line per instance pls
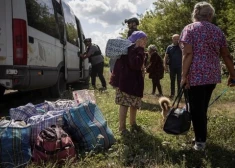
(178, 119)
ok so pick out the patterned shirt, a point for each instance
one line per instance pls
(206, 40)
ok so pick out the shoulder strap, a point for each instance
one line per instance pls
(178, 97)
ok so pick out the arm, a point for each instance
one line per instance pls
(165, 61)
(152, 62)
(187, 52)
(89, 52)
(229, 64)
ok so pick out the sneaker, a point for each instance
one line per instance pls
(171, 96)
(159, 95)
(193, 141)
(199, 146)
(94, 87)
(135, 128)
(102, 89)
(125, 133)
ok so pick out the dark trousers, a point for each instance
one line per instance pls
(199, 97)
(173, 73)
(98, 70)
(156, 83)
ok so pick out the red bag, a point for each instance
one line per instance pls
(53, 144)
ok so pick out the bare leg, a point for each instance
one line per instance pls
(133, 111)
(122, 117)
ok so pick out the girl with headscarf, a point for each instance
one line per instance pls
(127, 78)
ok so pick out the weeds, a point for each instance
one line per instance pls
(152, 148)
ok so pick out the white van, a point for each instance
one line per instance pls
(40, 45)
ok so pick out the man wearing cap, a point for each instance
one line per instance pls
(96, 59)
(132, 25)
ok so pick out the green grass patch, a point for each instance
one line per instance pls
(154, 148)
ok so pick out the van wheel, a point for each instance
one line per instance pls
(2, 91)
(58, 89)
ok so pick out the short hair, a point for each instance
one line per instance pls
(175, 35)
(202, 11)
(87, 40)
(152, 47)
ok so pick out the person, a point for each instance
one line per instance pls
(132, 25)
(173, 54)
(202, 43)
(155, 69)
(146, 59)
(127, 78)
(96, 59)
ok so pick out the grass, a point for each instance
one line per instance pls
(153, 148)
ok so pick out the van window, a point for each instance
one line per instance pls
(40, 14)
(71, 26)
(59, 19)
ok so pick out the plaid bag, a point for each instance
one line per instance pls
(15, 148)
(61, 104)
(40, 122)
(117, 47)
(80, 96)
(87, 125)
(29, 110)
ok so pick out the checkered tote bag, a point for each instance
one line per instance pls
(15, 150)
(29, 110)
(88, 127)
(40, 122)
(117, 47)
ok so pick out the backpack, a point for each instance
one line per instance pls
(54, 144)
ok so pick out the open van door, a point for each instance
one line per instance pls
(85, 66)
(72, 47)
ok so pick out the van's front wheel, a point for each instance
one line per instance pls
(58, 89)
(2, 91)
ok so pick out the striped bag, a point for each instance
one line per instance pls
(29, 110)
(15, 150)
(40, 122)
(117, 47)
(87, 126)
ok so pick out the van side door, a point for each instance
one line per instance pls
(72, 59)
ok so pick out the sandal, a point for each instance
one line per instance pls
(135, 128)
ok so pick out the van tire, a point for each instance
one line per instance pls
(2, 91)
(58, 89)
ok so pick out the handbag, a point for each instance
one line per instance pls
(178, 119)
(53, 144)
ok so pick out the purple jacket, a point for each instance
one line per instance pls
(127, 73)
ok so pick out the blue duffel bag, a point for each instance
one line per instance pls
(88, 127)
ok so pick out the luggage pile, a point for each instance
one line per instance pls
(53, 131)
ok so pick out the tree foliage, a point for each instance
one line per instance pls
(170, 16)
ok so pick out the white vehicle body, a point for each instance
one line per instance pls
(40, 45)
